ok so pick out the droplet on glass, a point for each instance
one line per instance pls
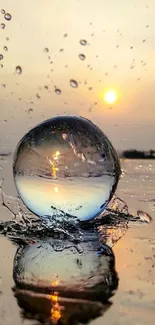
(46, 87)
(46, 50)
(7, 16)
(7, 38)
(2, 26)
(73, 83)
(5, 121)
(1, 65)
(61, 50)
(1, 56)
(83, 42)
(65, 35)
(4, 85)
(82, 57)
(89, 181)
(2, 11)
(5, 48)
(18, 69)
(57, 91)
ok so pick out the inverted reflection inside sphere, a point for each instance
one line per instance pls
(66, 164)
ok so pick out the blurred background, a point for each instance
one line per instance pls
(88, 58)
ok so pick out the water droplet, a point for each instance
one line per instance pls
(73, 83)
(46, 87)
(1, 65)
(1, 56)
(7, 16)
(89, 180)
(3, 85)
(82, 57)
(61, 50)
(57, 91)
(90, 88)
(2, 26)
(83, 42)
(30, 110)
(2, 11)
(144, 217)
(5, 121)
(5, 48)
(18, 69)
(38, 96)
(46, 50)
(7, 38)
(65, 35)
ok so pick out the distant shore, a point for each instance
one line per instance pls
(136, 154)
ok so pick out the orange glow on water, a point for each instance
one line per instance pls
(56, 308)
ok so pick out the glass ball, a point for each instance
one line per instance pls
(66, 164)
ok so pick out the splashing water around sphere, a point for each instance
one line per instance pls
(66, 165)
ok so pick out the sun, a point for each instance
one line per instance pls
(110, 96)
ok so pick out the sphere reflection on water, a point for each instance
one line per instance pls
(66, 164)
(59, 281)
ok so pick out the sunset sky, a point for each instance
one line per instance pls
(119, 56)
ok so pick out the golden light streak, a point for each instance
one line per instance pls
(56, 308)
(53, 163)
(56, 155)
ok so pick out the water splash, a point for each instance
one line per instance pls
(24, 226)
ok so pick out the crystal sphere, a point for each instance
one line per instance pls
(66, 164)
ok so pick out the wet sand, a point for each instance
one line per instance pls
(134, 301)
